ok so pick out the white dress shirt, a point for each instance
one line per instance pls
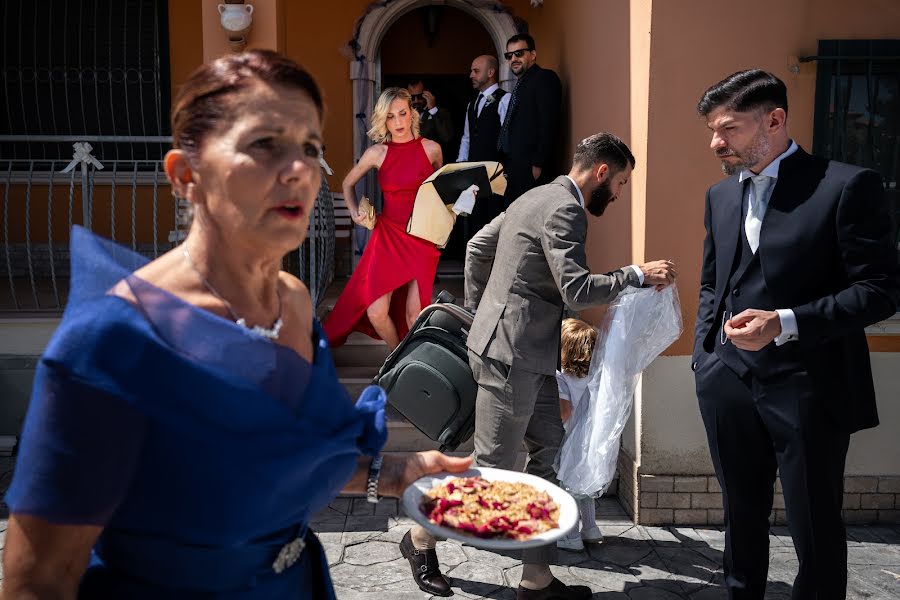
(580, 196)
(756, 214)
(501, 108)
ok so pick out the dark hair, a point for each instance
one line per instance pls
(202, 102)
(603, 148)
(745, 91)
(522, 37)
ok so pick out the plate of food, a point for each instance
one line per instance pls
(490, 508)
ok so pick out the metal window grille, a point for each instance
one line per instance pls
(94, 74)
(857, 110)
(85, 68)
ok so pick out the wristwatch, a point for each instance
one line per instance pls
(372, 482)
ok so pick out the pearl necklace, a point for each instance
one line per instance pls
(271, 333)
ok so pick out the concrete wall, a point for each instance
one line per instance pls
(673, 441)
(26, 336)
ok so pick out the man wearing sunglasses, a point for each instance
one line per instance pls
(530, 132)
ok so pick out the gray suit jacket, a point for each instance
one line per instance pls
(523, 267)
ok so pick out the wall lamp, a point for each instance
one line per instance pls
(236, 19)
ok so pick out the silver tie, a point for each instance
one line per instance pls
(756, 211)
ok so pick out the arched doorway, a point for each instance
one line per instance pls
(436, 44)
(385, 39)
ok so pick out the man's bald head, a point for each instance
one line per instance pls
(484, 72)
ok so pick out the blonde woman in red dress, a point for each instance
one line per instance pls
(394, 278)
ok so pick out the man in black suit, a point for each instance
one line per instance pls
(435, 122)
(797, 261)
(529, 135)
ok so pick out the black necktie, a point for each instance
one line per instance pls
(473, 115)
(503, 138)
(478, 102)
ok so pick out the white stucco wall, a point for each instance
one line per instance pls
(26, 336)
(673, 440)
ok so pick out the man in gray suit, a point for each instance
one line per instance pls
(521, 270)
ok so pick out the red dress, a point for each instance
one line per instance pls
(392, 257)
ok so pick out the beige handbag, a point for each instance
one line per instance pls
(365, 206)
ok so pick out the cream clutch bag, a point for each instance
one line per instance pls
(365, 206)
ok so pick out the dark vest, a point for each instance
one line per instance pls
(485, 128)
(747, 289)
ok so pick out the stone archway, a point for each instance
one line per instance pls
(365, 68)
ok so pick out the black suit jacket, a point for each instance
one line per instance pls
(534, 125)
(827, 253)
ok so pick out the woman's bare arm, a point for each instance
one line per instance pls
(434, 152)
(371, 159)
(44, 561)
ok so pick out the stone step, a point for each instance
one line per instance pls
(357, 352)
(351, 372)
(355, 385)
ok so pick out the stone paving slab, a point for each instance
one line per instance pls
(633, 562)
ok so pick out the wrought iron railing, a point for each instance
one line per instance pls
(128, 201)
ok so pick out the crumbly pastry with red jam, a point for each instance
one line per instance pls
(491, 509)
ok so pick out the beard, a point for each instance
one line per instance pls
(600, 199)
(756, 150)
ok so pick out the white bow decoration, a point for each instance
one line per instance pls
(325, 166)
(82, 156)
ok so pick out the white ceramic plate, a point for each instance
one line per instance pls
(568, 510)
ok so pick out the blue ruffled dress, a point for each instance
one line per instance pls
(201, 449)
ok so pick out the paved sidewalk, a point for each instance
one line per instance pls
(640, 563)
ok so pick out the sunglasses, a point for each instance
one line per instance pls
(517, 53)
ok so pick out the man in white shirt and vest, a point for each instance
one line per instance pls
(484, 115)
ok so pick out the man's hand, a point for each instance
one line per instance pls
(536, 173)
(659, 273)
(753, 329)
(398, 472)
(429, 100)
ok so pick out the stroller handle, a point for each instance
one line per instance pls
(457, 311)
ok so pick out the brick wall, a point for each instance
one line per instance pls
(697, 500)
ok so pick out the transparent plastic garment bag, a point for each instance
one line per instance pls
(638, 326)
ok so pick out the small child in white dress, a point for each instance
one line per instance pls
(576, 348)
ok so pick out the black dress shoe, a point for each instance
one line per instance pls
(557, 590)
(426, 571)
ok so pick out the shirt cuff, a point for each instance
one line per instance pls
(433, 110)
(640, 273)
(789, 332)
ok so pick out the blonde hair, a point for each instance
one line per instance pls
(379, 132)
(577, 342)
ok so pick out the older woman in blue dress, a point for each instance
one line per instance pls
(186, 420)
